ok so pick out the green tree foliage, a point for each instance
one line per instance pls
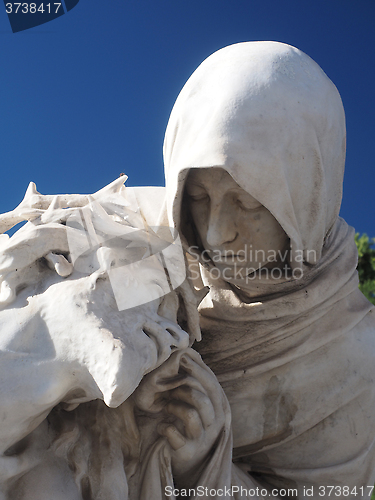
(366, 265)
(366, 272)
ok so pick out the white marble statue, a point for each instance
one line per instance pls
(106, 399)
(75, 342)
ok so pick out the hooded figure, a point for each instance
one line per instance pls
(294, 355)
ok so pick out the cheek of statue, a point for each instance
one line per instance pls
(261, 238)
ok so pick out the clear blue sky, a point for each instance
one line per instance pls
(88, 95)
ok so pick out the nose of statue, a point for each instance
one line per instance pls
(221, 228)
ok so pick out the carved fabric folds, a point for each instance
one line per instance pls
(70, 358)
(296, 360)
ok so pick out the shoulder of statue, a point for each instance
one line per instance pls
(151, 203)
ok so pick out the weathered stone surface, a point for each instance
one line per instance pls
(103, 393)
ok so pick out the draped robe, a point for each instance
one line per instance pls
(294, 356)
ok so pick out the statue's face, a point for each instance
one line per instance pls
(235, 229)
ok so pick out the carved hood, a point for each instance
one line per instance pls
(301, 351)
(266, 113)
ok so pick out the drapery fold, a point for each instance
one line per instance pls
(294, 355)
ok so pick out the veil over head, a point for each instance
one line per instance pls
(268, 115)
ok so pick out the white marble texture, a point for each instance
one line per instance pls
(254, 148)
(103, 395)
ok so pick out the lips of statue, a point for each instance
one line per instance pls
(235, 229)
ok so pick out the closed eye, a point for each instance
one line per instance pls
(199, 197)
(197, 193)
(249, 206)
(245, 201)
